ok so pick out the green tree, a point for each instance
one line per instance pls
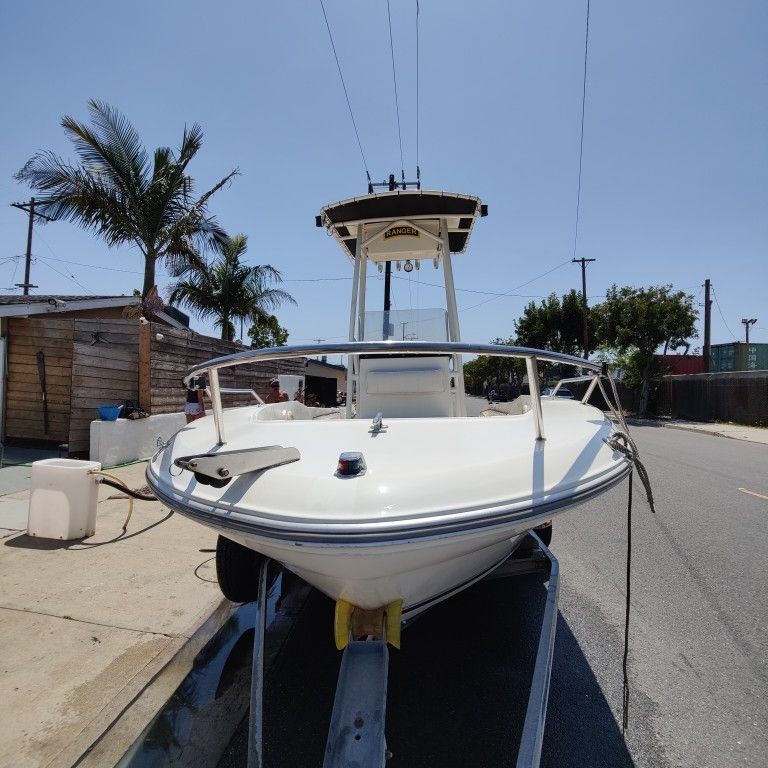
(267, 333)
(118, 192)
(635, 322)
(556, 324)
(487, 371)
(228, 290)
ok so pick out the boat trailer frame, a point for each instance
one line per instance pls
(356, 733)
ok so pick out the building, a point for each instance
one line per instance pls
(61, 356)
(324, 380)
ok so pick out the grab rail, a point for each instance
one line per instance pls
(358, 348)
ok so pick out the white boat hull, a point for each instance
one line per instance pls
(442, 503)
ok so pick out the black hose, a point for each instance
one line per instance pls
(128, 491)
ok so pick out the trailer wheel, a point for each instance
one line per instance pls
(237, 570)
(544, 532)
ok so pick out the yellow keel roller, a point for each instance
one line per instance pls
(381, 623)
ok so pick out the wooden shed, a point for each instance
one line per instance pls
(66, 356)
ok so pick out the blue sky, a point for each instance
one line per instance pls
(675, 167)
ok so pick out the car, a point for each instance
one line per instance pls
(497, 396)
(563, 392)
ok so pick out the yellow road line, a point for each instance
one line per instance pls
(754, 493)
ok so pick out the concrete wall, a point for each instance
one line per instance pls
(126, 440)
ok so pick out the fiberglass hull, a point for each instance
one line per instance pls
(442, 502)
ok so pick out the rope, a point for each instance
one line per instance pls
(623, 443)
(625, 670)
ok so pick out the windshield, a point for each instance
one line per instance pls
(407, 325)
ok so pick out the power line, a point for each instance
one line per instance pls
(69, 277)
(581, 140)
(397, 104)
(517, 288)
(346, 94)
(714, 293)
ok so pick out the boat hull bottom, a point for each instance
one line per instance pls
(420, 573)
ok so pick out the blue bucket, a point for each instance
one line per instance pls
(109, 412)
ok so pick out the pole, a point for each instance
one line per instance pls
(30, 209)
(707, 324)
(387, 303)
(747, 322)
(585, 306)
(29, 246)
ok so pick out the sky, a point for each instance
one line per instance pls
(674, 185)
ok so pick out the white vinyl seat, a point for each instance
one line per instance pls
(404, 387)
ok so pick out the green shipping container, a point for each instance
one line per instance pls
(738, 357)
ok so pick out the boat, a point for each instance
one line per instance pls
(399, 499)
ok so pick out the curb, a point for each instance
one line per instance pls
(112, 734)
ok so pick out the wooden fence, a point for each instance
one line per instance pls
(93, 362)
(166, 354)
(24, 413)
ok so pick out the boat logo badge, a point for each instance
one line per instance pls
(400, 231)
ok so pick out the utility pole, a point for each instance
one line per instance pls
(707, 324)
(583, 263)
(747, 322)
(30, 208)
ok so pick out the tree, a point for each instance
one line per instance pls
(116, 191)
(490, 370)
(268, 333)
(556, 325)
(228, 290)
(637, 321)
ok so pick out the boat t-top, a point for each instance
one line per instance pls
(399, 499)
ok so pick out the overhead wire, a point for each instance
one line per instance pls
(517, 288)
(397, 103)
(418, 168)
(69, 276)
(714, 293)
(581, 140)
(346, 93)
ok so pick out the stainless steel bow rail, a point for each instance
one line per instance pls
(354, 349)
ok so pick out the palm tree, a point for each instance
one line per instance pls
(228, 290)
(116, 191)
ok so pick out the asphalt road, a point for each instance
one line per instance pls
(698, 661)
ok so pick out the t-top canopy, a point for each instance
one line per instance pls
(413, 217)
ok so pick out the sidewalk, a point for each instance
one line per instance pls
(89, 628)
(734, 431)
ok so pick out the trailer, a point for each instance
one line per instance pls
(356, 734)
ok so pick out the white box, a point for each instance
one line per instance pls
(62, 504)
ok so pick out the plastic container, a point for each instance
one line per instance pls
(62, 504)
(109, 412)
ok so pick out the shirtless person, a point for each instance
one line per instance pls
(276, 395)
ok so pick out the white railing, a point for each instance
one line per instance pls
(357, 348)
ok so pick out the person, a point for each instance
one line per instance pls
(276, 395)
(195, 405)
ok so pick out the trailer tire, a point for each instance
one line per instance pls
(237, 570)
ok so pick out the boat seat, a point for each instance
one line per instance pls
(289, 410)
(404, 387)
